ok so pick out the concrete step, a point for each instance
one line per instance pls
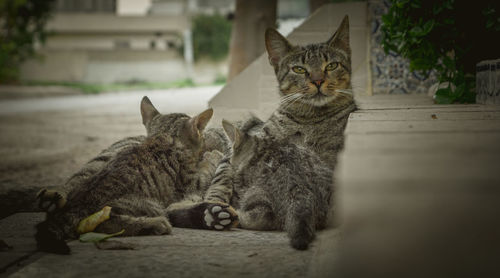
(418, 195)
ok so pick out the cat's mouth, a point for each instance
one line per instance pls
(319, 99)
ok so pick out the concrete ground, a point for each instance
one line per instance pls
(419, 190)
(44, 140)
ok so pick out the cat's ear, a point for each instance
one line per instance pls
(277, 46)
(232, 132)
(148, 111)
(200, 121)
(341, 37)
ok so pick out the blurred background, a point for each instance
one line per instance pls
(160, 42)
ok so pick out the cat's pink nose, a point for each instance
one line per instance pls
(318, 82)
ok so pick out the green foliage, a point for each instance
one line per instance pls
(439, 35)
(23, 23)
(211, 34)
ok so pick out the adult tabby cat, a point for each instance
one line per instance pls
(139, 182)
(316, 93)
(272, 177)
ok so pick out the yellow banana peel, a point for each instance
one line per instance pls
(90, 223)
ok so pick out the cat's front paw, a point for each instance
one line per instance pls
(50, 200)
(218, 216)
(156, 226)
(213, 157)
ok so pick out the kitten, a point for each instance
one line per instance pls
(49, 200)
(139, 182)
(274, 185)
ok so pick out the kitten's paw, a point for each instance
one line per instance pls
(213, 157)
(50, 200)
(156, 226)
(301, 242)
(219, 216)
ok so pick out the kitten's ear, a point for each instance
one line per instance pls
(148, 111)
(232, 132)
(199, 122)
(277, 46)
(341, 37)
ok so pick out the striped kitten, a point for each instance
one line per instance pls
(49, 200)
(274, 185)
(138, 182)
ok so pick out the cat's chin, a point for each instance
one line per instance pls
(319, 99)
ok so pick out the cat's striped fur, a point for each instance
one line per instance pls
(316, 104)
(274, 185)
(139, 181)
(280, 173)
(52, 199)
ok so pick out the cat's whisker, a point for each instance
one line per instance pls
(286, 102)
(289, 98)
(289, 103)
(344, 91)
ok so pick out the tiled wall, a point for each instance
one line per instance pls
(390, 73)
(488, 82)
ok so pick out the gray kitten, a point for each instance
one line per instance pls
(274, 185)
(49, 200)
(138, 182)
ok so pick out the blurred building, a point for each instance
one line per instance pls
(109, 41)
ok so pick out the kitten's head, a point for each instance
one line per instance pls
(243, 145)
(315, 74)
(188, 130)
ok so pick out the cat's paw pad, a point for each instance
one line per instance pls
(220, 217)
(156, 226)
(50, 200)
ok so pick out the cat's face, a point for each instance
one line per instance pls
(315, 74)
(188, 130)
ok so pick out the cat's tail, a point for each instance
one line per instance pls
(50, 237)
(300, 221)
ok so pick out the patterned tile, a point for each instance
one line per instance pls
(390, 72)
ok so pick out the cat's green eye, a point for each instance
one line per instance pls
(331, 66)
(298, 69)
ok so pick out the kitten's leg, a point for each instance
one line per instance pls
(300, 218)
(257, 212)
(137, 216)
(195, 214)
(213, 212)
(221, 189)
(135, 226)
(207, 168)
